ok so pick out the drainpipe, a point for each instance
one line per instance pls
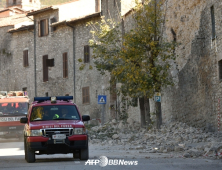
(35, 83)
(74, 62)
(35, 58)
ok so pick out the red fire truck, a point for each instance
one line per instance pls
(13, 106)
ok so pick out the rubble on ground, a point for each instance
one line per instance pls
(177, 138)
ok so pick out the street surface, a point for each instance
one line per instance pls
(12, 158)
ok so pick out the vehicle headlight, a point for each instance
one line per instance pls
(78, 131)
(34, 133)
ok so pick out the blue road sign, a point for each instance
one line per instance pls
(101, 99)
(157, 98)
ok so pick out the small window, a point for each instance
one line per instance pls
(86, 54)
(25, 58)
(85, 95)
(14, 2)
(45, 68)
(65, 65)
(46, 94)
(53, 20)
(43, 27)
(114, 3)
(213, 22)
(24, 89)
(220, 69)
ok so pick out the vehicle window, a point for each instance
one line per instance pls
(13, 108)
(58, 112)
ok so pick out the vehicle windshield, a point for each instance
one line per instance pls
(58, 112)
(13, 109)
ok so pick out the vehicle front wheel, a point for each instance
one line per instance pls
(29, 154)
(84, 154)
(75, 155)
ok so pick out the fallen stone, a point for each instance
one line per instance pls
(115, 136)
(186, 155)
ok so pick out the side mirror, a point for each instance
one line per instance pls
(85, 117)
(24, 120)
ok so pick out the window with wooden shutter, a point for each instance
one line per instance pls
(65, 65)
(45, 68)
(43, 27)
(25, 58)
(85, 95)
(86, 54)
(53, 20)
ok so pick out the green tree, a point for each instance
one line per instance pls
(139, 59)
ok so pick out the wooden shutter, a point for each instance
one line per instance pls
(220, 69)
(45, 68)
(85, 95)
(65, 65)
(46, 26)
(50, 62)
(213, 22)
(39, 28)
(86, 54)
(52, 20)
(25, 58)
(97, 5)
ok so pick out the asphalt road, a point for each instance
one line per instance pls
(12, 158)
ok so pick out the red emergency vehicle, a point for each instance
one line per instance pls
(13, 106)
(54, 125)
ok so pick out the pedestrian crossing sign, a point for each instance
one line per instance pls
(101, 99)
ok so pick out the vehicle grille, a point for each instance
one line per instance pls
(50, 132)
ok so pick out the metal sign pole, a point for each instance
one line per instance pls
(103, 113)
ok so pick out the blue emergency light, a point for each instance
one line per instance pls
(42, 99)
(64, 97)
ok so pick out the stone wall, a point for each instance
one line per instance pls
(194, 98)
(23, 76)
(6, 60)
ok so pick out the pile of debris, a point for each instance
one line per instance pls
(178, 138)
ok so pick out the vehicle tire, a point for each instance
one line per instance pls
(75, 155)
(25, 149)
(84, 153)
(30, 155)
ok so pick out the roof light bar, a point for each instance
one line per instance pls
(64, 97)
(39, 99)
